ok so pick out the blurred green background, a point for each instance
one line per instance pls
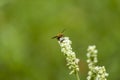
(27, 51)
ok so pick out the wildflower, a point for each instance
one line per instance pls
(96, 72)
(72, 61)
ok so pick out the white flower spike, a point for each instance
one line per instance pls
(72, 61)
(96, 72)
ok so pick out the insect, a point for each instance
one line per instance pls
(59, 35)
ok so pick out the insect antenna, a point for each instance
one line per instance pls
(63, 30)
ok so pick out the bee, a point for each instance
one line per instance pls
(59, 35)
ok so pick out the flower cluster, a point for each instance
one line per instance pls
(96, 72)
(92, 56)
(72, 61)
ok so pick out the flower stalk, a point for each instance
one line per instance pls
(72, 61)
(95, 72)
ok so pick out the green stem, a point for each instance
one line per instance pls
(77, 75)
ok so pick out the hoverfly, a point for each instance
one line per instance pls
(59, 35)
